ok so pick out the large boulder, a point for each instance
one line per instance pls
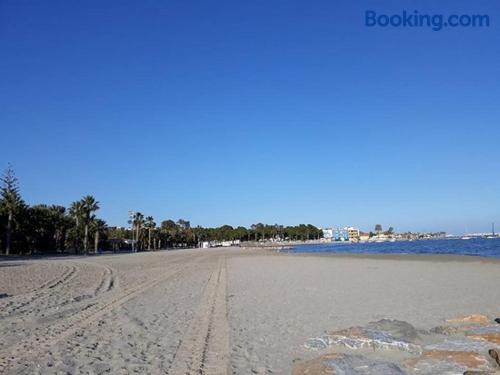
(382, 335)
(449, 362)
(344, 364)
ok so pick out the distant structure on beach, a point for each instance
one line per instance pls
(208, 244)
(353, 234)
(341, 234)
(327, 234)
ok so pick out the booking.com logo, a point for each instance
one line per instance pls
(435, 21)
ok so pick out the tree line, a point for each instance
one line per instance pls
(147, 235)
(42, 228)
(45, 228)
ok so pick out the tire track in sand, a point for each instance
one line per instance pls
(25, 300)
(108, 281)
(205, 346)
(41, 342)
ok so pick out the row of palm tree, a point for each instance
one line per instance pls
(83, 213)
(42, 228)
(147, 236)
(138, 222)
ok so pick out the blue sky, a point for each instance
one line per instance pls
(239, 112)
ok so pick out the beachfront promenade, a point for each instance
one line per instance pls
(218, 311)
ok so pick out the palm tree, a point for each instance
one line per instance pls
(76, 211)
(98, 227)
(90, 205)
(150, 224)
(59, 221)
(138, 222)
(12, 203)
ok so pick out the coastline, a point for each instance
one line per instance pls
(402, 256)
(284, 250)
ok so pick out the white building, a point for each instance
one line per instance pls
(353, 233)
(327, 234)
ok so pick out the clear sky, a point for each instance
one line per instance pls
(254, 111)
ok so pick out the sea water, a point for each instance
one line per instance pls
(487, 247)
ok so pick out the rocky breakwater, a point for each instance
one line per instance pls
(465, 345)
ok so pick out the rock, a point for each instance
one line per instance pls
(361, 337)
(459, 344)
(317, 343)
(468, 330)
(484, 329)
(474, 318)
(384, 334)
(397, 328)
(495, 354)
(490, 337)
(448, 362)
(463, 349)
(4, 295)
(344, 364)
(449, 330)
(479, 338)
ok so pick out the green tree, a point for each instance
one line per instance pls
(137, 224)
(61, 223)
(378, 228)
(11, 203)
(150, 225)
(77, 212)
(89, 206)
(168, 232)
(99, 228)
(44, 228)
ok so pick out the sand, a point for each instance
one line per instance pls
(218, 311)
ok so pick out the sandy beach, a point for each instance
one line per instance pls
(218, 311)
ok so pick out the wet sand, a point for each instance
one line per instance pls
(220, 310)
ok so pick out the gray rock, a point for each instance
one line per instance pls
(449, 363)
(382, 335)
(460, 343)
(396, 328)
(360, 338)
(344, 364)
(317, 343)
(495, 354)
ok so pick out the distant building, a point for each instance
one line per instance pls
(208, 244)
(119, 244)
(327, 234)
(352, 233)
(340, 234)
(363, 237)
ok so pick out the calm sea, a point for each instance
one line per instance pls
(476, 247)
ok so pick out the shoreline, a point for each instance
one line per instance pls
(381, 256)
(265, 250)
(278, 251)
(401, 256)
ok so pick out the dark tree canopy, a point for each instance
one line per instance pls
(45, 229)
